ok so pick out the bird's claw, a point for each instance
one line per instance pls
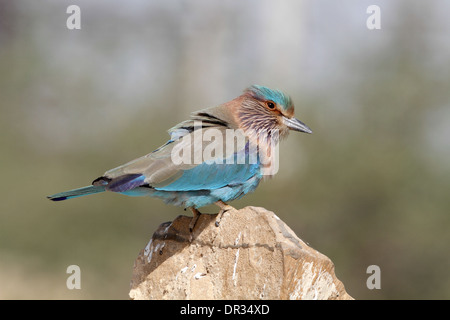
(196, 215)
(223, 208)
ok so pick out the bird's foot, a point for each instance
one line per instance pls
(223, 208)
(196, 214)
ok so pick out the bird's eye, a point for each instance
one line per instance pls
(271, 105)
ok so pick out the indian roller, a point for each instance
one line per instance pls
(262, 115)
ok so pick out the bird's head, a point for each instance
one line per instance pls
(263, 109)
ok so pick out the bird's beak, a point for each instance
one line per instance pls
(296, 125)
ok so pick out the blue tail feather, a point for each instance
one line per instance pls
(76, 193)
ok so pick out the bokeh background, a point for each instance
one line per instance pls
(370, 186)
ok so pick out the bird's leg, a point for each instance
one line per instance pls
(196, 214)
(223, 208)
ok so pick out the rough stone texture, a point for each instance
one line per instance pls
(251, 255)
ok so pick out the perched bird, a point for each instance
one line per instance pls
(260, 114)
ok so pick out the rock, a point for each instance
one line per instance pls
(251, 255)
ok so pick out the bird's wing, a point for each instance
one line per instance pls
(151, 168)
(162, 171)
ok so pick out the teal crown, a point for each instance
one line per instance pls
(264, 93)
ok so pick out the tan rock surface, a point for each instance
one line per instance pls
(251, 255)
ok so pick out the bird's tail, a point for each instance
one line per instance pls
(76, 193)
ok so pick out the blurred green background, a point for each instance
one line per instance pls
(369, 187)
